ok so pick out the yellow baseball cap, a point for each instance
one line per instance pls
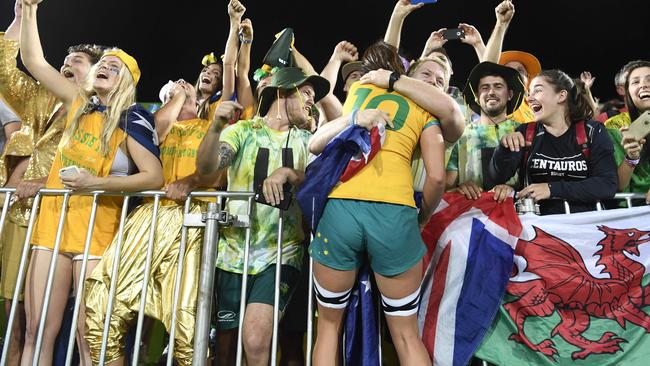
(128, 60)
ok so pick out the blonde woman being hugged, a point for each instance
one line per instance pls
(114, 145)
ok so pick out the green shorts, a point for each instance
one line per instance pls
(261, 289)
(350, 229)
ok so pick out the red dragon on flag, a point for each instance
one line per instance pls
(566, 286)
(578, 292)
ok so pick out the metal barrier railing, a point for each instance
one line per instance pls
(528, 205)
(211, 221)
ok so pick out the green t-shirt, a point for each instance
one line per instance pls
(246, 137)
(640, 181)
(466, 155)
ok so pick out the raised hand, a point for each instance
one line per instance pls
(236, 10)
(505, 11)
(226, 111)
(18, 9)
(587, 78)
(472, 35)
(435, 40)
(404, 8)
(176, 89)
(29, 2)
(246, 29)
(345, 52)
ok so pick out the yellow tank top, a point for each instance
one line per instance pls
(178, 151)
(84, 151)
(387, 177)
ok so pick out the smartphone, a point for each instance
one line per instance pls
(454, 33)
(640, 128)
(284, 204)
(68, 171)
(423, 1)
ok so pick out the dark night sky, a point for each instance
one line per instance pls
(170, 38)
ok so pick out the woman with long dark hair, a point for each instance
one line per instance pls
(633, 154)
(564, 154)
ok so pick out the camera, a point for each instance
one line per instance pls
(454, 33)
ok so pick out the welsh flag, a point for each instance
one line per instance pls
(578, 293)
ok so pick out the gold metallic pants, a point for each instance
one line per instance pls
(130, 279)
(12, 242)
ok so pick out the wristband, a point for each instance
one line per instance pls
(243, 40)
(353, 117)
(394, 76)
(631, 162)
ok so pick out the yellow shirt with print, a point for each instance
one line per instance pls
(84, 151)
(618, 121)
(179, 150)
(387, 177)
(523, 114)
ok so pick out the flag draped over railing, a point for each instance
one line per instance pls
(467, 266)
(579, 294)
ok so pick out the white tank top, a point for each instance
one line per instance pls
(122, 164)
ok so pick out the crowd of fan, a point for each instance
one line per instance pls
(515, 129)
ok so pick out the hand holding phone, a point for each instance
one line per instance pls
(453, 34)
(640, 128)
(278, 189)
(69, 171)
(283, 205)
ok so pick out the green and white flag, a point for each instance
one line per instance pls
(579, 294)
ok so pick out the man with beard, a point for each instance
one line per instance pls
(267, 154)
(29, 153)
(494, 92)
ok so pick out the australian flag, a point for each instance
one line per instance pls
(361, 334)
(470, 248)
(343, 157)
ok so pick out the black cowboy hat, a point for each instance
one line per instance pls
(281, 52)
(290, 78)
(510, 75)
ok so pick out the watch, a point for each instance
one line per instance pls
(394, 76)
(632, 162)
